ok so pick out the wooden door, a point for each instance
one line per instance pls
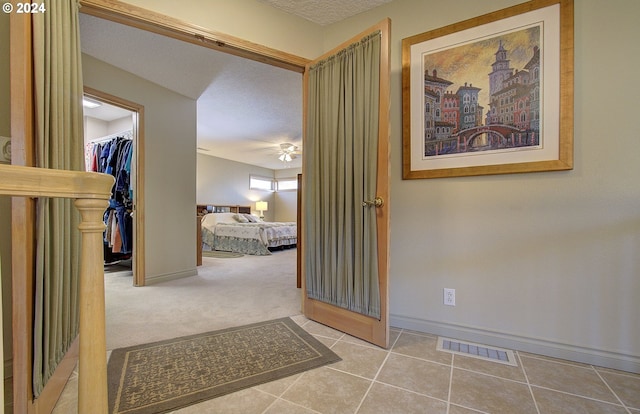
(370, 329)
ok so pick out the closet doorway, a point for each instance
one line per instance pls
(136, 180)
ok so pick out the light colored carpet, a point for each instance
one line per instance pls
(220, 254)
(225, 293)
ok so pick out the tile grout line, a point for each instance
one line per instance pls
(611, 389)
(526, 377)
(584, 397)
(373, 380)
(590, 367)
(278, 397)
(453, 356)
(492, 375)
(421, 359)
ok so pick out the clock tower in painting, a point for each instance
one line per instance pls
(501, 70)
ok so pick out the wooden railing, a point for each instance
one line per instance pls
(90, 192)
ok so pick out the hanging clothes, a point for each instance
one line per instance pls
(112, 155)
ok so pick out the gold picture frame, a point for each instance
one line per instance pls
(490, 95)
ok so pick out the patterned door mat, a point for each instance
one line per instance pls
(163, 376)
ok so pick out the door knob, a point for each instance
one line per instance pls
(376, 202)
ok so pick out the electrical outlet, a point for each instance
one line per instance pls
(450, 297)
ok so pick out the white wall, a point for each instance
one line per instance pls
(98, 128)
(170, 159)
(94, 128)
(225, 182)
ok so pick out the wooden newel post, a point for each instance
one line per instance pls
(92, 364)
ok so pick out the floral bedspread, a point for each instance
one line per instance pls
(249, 238)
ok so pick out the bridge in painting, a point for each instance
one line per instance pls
(482, 138)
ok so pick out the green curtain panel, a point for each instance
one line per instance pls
(341, 264)
(59, 144)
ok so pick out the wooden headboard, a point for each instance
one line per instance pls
(202, 209)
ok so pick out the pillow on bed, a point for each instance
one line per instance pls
(240, 218)
(252, 218)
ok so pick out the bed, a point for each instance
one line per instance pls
(245, 233)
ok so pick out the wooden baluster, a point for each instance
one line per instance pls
(92, 364)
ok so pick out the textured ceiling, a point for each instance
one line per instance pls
(246, 109)
(324, 12)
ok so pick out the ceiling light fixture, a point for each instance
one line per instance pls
(287, 152)
(286, 158)
(90, 103)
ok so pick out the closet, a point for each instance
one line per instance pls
(112, 155)
(109, 119)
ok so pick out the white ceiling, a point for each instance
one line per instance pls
(246, 109)
(324, 12)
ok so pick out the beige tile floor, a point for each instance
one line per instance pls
(413, 377)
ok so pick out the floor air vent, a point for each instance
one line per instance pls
(493, 354)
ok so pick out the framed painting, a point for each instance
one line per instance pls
(490, 95)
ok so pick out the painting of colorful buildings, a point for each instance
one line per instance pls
(483, 96)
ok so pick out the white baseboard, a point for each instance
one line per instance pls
(601, 358)
(151, 280)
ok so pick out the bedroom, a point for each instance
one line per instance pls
(216, 180)
(221, 221)
(226, 95)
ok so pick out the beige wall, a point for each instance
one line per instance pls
(250, 20)
(287, 201)
(548, 261)
(97, 128)
(226, 182)
(170, 159)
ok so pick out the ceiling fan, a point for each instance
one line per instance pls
(288, 152)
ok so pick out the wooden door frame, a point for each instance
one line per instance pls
(138, 253)
(144, 19)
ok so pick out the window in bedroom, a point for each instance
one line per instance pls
(287, 184)
(261, 183)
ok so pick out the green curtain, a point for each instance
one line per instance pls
(341, 265)
(59, 145)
